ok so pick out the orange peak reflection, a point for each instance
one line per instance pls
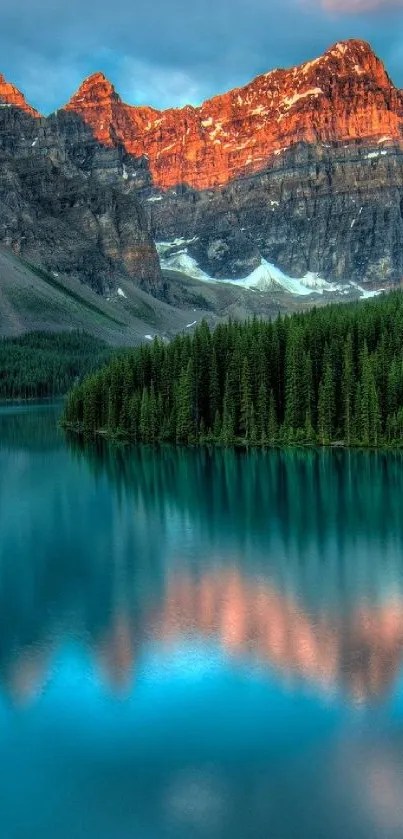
(360, 652)
(116, 655)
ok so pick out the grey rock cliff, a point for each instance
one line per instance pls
(66, 205)
(335, 210)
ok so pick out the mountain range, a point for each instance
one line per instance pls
(276, 195)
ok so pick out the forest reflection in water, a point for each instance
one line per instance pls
(197, 642)
(287, 563)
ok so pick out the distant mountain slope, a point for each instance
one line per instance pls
(33, 299)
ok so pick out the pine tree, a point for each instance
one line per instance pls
(214, 390)
(145, 416)
(246, 401)
(184, 418)
(152, 418)
(326, 405)
(348, 389)
(262, 415)
(272, 427)
(217, 426)
(90, 407)
(114, 397)
(228, 421)
(134, 414)
(369, 404)
(253, 431)
(307, 395)
(297, 386)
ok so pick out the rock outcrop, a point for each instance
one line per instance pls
(10, 96)
(65, 205)
(334, 211)
(344, 95)
(301, 169)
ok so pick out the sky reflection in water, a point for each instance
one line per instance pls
(198, 642)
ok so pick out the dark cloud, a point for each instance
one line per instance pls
(166, 53)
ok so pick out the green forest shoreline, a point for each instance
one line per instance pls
(119, 438)
(28, 400)
(329, 376)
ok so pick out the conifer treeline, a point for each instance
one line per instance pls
(44, 364)
(332, 374)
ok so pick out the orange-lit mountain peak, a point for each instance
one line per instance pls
(11, 96)
(352, 49)
(356, 58)
(94, 88)
(97, 103)
(344, 95)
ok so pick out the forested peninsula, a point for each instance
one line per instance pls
(331, 375)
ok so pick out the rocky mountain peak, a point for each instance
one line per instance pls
(355, 48)
(357, 58)
(310, 159)
(11, 96)
(344, 95)
(95, 91)
(352, 48)
(95, 102)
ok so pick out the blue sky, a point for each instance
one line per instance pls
(169, 52)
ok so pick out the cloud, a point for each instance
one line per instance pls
(141, 82)
(168, 52)
(357, 7)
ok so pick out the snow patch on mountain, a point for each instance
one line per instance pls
(174, 256)
(164, 247)
(367, 293)
(289, 101)
(305, 68)
(373, 154)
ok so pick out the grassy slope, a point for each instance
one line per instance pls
(31, 299)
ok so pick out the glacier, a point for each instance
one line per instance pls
(174, 256)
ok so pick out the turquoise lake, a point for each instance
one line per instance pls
(198, 643)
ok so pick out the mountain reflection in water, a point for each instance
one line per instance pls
(357, 652)
(287, 589)
(196, 642)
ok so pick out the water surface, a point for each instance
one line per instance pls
(198, 643)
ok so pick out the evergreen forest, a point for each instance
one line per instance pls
(43, 364)
(330, 375)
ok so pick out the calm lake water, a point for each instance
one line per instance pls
(198, 644)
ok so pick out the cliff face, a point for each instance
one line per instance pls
(335, 211)
(301, 168)
(64, 203)
(344, 95)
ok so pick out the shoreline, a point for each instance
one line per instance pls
(20, 400)
(238, 444)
